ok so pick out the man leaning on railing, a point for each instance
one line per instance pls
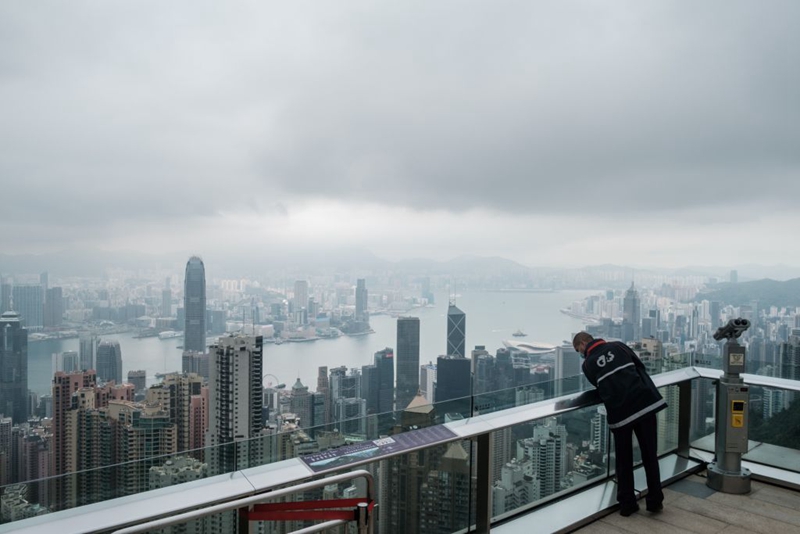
(631, 400)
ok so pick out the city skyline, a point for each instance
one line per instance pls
(515, 139)
(348, 183)
(190, 412)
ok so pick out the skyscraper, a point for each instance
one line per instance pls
(599, 430)
(139, 380)
(568, 372)
(301, 299)
(369, 387)
(403, 476)
(426, 290)
(790, 362)
(166, 299)
(194, 305)
(235, 401)
(66, 361)
(631, 315)
(714, 313)
(456, 331)
(174, 395)
(384, 361)
(5, 295)
(29, 303)
(427, 381)
(65, 385)
(300, 404)
(109, 361)
(88, 351)
(453, 380)
(195, 362)
(53, 307)
(407, 360)
(13, 368)
(361, 300)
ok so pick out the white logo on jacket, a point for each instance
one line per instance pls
(604, 359)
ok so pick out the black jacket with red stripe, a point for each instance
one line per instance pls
(622, 382)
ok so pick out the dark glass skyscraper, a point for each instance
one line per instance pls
(407, 360)
(384, 361)
(453, 378)
(109, 361)
(13, 368)
(194, 305)
(456, 331)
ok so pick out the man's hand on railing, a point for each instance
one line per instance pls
(587, 398)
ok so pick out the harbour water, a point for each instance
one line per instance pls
(491, 318)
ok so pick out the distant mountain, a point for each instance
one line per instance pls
(84, 262)
(767, 292)
(746, 272)
(255, 262)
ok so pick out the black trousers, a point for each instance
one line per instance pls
(646, 431)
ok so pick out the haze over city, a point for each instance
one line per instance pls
(468, 248)
(558, 134)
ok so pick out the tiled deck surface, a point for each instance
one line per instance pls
(690, 506)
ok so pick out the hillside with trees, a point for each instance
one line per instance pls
(767, 292)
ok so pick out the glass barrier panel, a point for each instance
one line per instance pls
(668, 420)
(774, 419)
(538, 460)
(708, 359)
(701, 433)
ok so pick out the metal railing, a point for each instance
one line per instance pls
(192, 500)
(365, 519)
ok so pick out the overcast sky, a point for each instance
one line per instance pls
(552, 133)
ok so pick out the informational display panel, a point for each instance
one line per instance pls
(377, 448)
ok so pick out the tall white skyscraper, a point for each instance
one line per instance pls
(235, 402)
(599, 433)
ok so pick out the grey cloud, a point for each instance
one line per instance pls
(657, 108)
(159, 111)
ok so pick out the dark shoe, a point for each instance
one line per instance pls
(628, 509)
(655, 506)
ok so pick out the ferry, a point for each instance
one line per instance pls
(169, 334)
(531, 347)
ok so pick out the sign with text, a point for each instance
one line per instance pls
(377, 448)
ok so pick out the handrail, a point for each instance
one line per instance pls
(247, 501)
(256, 483)
(753, 380)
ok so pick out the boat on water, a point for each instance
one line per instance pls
(169, 334)
(519, 333)
(147, 332)
(531, 347)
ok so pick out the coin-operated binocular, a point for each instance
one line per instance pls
(733, 330)
(726, 473)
